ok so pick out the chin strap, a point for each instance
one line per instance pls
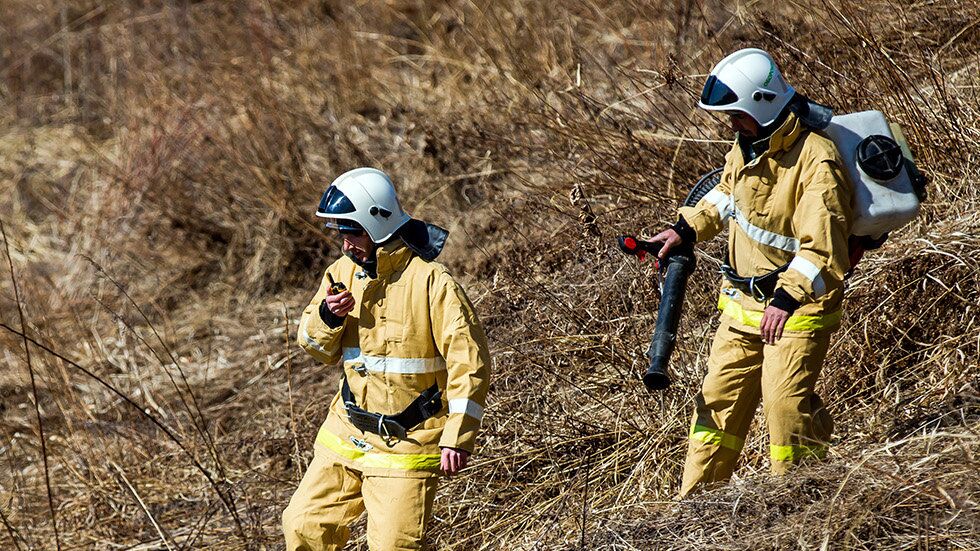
(370, 266)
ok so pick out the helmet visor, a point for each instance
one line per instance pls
(348, 227)
(716, 93)
(334, 202)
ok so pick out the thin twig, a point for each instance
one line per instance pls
(14, 535)
(145, 412)
(37, 402)
(197, 417)
(164, 536)
(199, 421)
(289, 391)
(585, 501)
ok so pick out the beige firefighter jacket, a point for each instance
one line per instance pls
(411, 327)
(791, 204)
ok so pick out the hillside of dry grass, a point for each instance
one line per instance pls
(161, 161)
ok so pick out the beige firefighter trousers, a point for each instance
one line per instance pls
(331, 497)
(741, 370)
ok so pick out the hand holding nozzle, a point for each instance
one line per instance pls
(677, 264)
(667, 240)
(658, 245)
(339, 300)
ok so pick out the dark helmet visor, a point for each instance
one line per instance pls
(349, 227)
(717, 93)
(334, 202)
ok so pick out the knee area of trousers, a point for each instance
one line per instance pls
(395, 542)
(396, 533)
(786, 408)
(304, 527)
(714, 398)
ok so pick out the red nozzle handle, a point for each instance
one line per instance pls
(630, 245)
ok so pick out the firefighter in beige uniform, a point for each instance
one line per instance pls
(415, 374)
(784, 195)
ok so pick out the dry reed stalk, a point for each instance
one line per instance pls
(34, 394)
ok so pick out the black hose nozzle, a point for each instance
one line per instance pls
(677, 267)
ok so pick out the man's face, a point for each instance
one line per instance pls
(358, 245)
(743, 124)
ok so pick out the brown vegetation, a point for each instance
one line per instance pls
(160, 161)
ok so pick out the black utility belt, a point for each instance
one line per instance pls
(393, 427)
(760, 287)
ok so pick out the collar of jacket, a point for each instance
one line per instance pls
(786, 136)
(392, 257)
(751, 150)
(783, 139)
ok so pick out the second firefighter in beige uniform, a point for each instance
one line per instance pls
(411, 330)
(787, 202)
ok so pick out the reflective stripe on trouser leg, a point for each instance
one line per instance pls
(399, 509)
(725, 406)
(799, 424)
(326, 502)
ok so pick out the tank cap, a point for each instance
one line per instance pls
(880, 157)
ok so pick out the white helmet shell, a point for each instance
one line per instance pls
(367, 197)
(747, 81)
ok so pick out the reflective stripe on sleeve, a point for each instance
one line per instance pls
(467, 407)
(388, 364)
(709, 435)
(766, 237)
(731, 308)
(310, 340)
(721, 201)
(797, 452)
(810, 271)
(377, 460)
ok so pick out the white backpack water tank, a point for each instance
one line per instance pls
(880, 205)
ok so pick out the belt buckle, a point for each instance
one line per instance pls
(391, 431)
(756, 292)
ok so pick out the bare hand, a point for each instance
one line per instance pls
(773, 320)
(669, 238)
(341, 303)
(453, 460)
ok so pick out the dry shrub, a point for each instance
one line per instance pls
(162, 160)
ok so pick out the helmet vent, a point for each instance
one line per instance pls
(376, 210)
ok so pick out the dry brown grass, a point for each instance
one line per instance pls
(161, 159)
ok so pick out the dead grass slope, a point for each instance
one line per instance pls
(161, 159)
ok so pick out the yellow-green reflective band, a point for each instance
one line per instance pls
(377, 460)
(796, 452)
(734, 310)
(717, 437)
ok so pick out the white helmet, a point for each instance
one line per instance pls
(363, 199)
(747, 81)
